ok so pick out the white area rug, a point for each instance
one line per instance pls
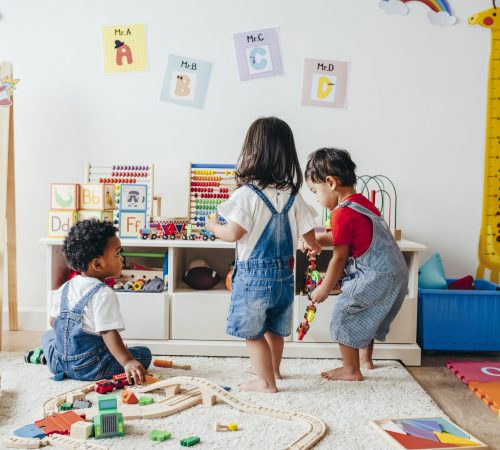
(388, 391)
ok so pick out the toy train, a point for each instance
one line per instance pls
(175, 228)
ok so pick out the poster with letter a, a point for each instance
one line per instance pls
(258, 54)
(124, 48)
(186, 81)
(324, 83)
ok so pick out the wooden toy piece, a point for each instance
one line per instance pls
(97, 196)
(190, 441)
(150, 379)
(228, 427)
(131, 412)
(413, 442)
(65, 406)
(447, 438)
(482, 372)
(69, 443)
(74, 396)
(108, 422)
(157, 435)
(170, 364)
(138, 285)
(103, 386)
(58, 422)
(413, 430)
(143, 401)
(208, 398)
(17, 442)
(82, 430)
(489, 393)
(64, 196)
(30, 431)
(129, 397)
(59, 223)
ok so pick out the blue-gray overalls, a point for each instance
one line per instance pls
(373, 290)
(263, 285)
(81, 355)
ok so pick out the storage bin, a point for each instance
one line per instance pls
(460, 320)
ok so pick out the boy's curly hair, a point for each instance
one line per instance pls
(331, 162)
(85, 241)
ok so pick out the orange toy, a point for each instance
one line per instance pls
(169, 364)
(129, 397)
(489, 393)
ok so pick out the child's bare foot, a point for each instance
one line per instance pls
(342, 374)
(367, 364)
(277, 375)
(258, 385)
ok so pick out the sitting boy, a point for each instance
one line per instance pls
(85, 343)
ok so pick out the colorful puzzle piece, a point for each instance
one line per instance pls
(447, 438)
(418, 431)
(392, 426)
(467, 371)
(157, 435)
(428, 424)
(413, 442)
(30, 431)
(489, 393)
(58, 423)
(143, 401)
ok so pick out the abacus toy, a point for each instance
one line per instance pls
(210, 185)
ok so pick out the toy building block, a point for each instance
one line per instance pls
(65, 406)
(58, 422)
(16, 442)
(150, 379)
(143, 401)
(108, 422)
(190, 441)
(72, 397)
(64, 196)
(131, 412)
(228, 427)
(157, 435)
(170, 364)
(58, 376)
(97, 196)
(85, 214)
(59, 223)
(82, 430)
(30, 431)
(129, 397)
(208, 398)
(82, 404)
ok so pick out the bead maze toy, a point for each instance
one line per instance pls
(425, 433)
(209, 186)
(380, 190)
(489, 242)
(198, 391)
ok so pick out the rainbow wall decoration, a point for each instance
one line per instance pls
(439, 13)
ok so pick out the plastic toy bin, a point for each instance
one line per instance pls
(460, 320)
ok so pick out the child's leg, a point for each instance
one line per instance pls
(350, 370)
(365, 356)
(262, 362)
(276, 344)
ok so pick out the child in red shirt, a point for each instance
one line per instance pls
(365, 255)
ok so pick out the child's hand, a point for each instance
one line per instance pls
(320, 294)
(314, 249)
(134, 369)
(211, 221)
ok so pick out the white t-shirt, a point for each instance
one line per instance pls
(249, 211)
(102, 312)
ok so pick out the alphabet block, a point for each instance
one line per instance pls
(131, 224)
(64, 196)
(85, 214)
(60, 222)
(97, 196)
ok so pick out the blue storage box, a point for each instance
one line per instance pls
(460, 320)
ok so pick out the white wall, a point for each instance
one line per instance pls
(416, 105)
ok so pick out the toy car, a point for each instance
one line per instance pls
(35, 356)
(103, 386)
(302, 330)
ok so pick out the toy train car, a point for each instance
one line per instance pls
(177, 228)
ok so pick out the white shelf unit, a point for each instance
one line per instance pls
(184, 321)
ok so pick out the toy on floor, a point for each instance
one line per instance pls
(228, 427)
(158, 435)
(35, 356)
(170, 364)
(425, 433)
(108, 421)
(202, 391)
(190, 441)
(82, 430)
(200, 276)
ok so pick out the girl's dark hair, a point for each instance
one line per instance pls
(269, 156)
(85, 241)
(331, 162)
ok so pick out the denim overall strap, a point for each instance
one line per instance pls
(78, 308)
(264, 199)
(64, 307)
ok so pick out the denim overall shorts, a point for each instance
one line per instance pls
(263, 285)
(373, 290)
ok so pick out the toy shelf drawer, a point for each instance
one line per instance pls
(460, 320)
(146, 315)
(200, 315)
(402, 331)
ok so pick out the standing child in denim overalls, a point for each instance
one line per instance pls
(265, 216)
(85, 343)
(376, 276)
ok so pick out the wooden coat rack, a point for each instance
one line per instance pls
(7, 209)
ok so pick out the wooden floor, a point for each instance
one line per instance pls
(452, 396)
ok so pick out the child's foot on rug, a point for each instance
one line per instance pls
(342, 374)
(258, 386)
(367, 365)
(277, 376)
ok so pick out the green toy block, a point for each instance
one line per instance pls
(65, 406)
(190, 441)
(158, 435)
(143, 401)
